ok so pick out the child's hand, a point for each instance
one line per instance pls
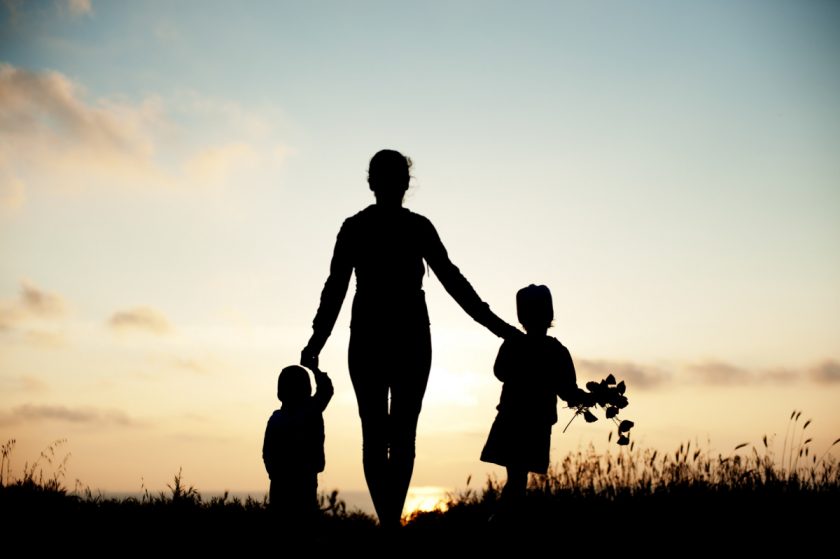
(318, 372)
(582, 398)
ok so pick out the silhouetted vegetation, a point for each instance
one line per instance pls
(38, 503)
(749, 496)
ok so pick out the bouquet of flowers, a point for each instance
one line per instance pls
(609, 395)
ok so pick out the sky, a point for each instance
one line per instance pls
(173, 175)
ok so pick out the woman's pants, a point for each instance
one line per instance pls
(391, 363)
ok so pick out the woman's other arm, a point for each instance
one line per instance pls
(332, 297)
(458, 287)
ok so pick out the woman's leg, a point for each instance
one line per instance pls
(372, 397)
(408, 383)
(395, 363)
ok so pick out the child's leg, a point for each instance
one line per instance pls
(517, 482)
(312, 493)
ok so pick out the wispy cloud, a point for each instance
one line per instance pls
(83, 415)
(51, 133)
(73, 8)
(634, 374)
(52, 136)
(197, 366)
(719, 372)
(13, 8)
(200, 438)
(779, 375)
(711, 372)
(40, 302)
(827, 372)
(12, 192)
(141, 319)
(49, 106)
(22, 383)
(217, 163)
(32, 302)
(45, 338)
(79, 7)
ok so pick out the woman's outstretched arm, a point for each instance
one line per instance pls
(332, 297)
(459, 288)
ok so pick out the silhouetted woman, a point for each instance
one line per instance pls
(390, 346)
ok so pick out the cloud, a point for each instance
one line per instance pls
(13, 8)
(49, 105)
(827, 372)
(217, 163)
(75, 8)
(779, 375)
(711, 372)
(140, 318)
(719, 372)
(44, 338)
(633, 374)
(189, 438)
(23, 383)
(31, 383)
(12, 192)
(191, 365)
(79, 7)
(32, 303)
(53, 136)
(40, 302)
(28, 413)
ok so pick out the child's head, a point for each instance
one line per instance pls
(534, 308)
(293, 384)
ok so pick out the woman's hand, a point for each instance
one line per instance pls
(309, 358)
(512, 333)
(504, 330)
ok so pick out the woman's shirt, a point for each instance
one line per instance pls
(387, 247)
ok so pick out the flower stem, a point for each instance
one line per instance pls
(570, 421)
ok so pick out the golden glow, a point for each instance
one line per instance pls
(425, 499)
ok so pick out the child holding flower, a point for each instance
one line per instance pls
(535, 369)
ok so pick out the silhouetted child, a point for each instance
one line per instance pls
(293, 448)
(535, 369)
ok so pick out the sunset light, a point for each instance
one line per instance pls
(174, 176)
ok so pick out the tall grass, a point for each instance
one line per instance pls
(633, 487)
(642, 489)
(37, 500)
(749, 467)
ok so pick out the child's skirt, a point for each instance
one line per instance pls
(518, 443)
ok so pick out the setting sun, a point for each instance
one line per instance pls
(425, 499)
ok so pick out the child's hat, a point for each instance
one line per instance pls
(534, 304)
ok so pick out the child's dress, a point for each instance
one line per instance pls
(535, 370)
